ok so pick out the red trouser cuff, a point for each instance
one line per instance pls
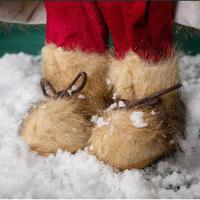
(75, 25)
(143, 27)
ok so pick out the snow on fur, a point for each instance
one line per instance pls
(137, 119)
(99, 121)
(24, 174)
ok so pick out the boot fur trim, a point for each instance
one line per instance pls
(133, 78)
(60, 66)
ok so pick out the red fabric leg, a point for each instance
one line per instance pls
(75, 25)
(144, 27)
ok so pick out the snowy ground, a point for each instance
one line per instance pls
(24, 174)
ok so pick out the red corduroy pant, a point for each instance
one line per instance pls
(140, 26)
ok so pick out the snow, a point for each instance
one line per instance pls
(112, 106)
(24, 174)
(137, 118)
(114, 96)
(74, 87)
(81, 96)
(121, 104)
(108, 81)
(99, 121)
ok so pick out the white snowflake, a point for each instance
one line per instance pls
(81, 96)
(137, 119)
(121, 104)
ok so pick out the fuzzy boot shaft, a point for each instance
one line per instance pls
(123, 143)
(61, 66)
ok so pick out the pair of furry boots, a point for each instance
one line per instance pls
(127, 111)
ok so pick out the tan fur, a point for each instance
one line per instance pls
(133, 78)
(124, 146)
(57, 124)
(61, 66)
(65, 123)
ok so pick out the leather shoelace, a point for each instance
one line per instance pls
(149, 100)
(67, 92)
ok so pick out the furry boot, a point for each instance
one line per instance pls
(148, 116)
(60, 122)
